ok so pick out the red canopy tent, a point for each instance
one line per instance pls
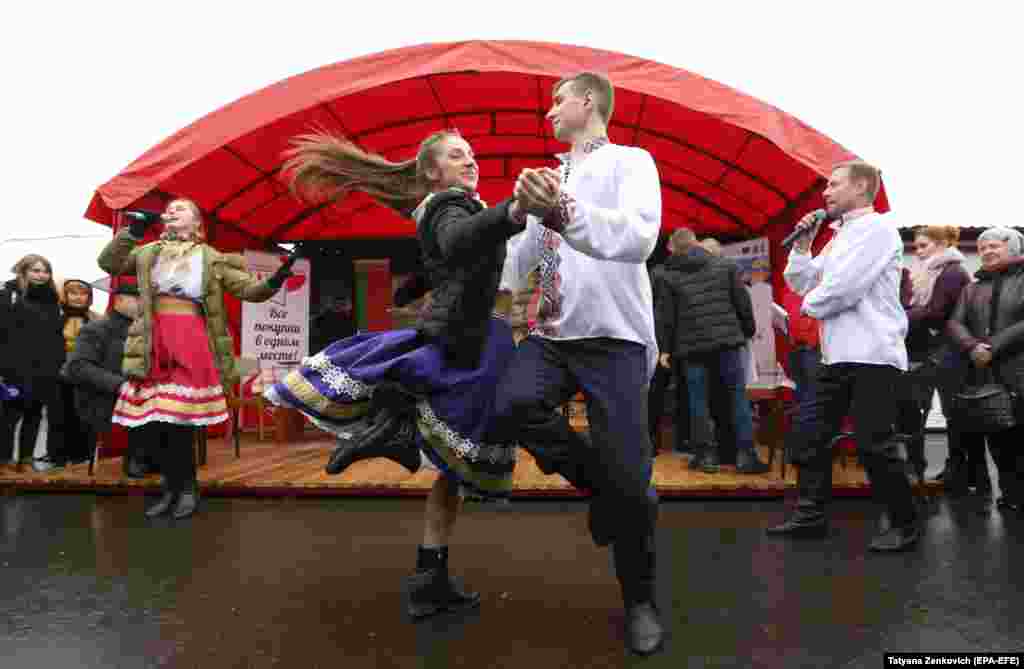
(730, 165)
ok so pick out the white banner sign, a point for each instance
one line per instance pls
(276, 332)
(755, 267)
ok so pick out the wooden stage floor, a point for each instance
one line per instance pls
(297, 469)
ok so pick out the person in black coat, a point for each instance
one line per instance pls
(94, 372)
(662, 382)
(987, 326)
(31, 355)
(705, 316)
(423, 394)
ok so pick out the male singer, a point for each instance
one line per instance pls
(853, 288)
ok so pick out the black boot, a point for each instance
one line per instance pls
(188, 501)
(709, 463)
(809, 519)
(431, 590)
(635, 568)
(747, 462)
(697, 460)
(891, 489)
(391, 436)
(132, 465)
(954, 483)
(165, 502)
(977, 467)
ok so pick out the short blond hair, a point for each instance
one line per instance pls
(681, 239)
(600, 84)
(866, 172)
(712, 246)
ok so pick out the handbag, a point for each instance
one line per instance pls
(986, 408)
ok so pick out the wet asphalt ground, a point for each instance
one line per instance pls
(87, 581)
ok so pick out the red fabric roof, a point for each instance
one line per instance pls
(730, 165)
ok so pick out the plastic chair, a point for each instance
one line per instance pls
(249, 373)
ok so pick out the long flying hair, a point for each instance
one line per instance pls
(21, 268)
(324, 167)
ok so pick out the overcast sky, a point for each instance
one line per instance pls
(929, 92)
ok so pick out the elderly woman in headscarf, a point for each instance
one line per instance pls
(988, 326)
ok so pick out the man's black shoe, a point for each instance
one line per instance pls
(644, 633)
(895, 539)
(134, 468)
(800, 528)
(749, 463)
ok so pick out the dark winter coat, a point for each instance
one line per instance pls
(974, 321)
(703, 306)
(463, 247)
(927, 322)
(94, 369)
(31, 342)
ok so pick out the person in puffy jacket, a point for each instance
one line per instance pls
(31, 355)
(705, 316)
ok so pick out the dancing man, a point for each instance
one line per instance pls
(593, 225)
(853, 288)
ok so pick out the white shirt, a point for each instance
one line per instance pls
(853, 289)
(182, 277)
(593, 274)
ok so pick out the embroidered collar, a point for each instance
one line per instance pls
(589, 147)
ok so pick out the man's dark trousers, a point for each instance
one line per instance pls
(616, 462)
(660, 385)
(865, 393)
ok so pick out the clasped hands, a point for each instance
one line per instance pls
(537, 191)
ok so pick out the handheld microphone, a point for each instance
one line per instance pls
(802, 229)
(142, 215)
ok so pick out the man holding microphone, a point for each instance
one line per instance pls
(852, 288)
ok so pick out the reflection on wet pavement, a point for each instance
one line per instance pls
(88, 582)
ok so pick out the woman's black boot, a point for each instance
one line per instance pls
(431, 590)
(392, 435)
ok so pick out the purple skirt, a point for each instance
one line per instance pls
(454, 408)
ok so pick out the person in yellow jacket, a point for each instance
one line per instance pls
(76, 298)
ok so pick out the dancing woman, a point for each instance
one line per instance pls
(179, 354)
(430, 389)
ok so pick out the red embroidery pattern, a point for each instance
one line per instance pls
(549, 309)
(562, 215)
